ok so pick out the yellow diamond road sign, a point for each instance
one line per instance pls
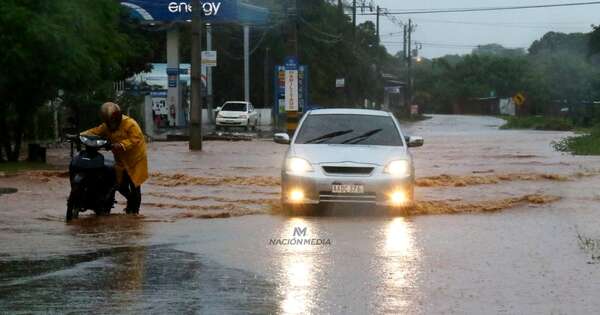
(519, 99)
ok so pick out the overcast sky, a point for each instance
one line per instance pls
(456, 33)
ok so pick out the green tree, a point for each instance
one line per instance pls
(594, 43)
(498, 50)
(554, 42)
(73, 46)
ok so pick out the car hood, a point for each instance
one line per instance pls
(343, 153)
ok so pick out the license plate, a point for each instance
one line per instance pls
(347, 189)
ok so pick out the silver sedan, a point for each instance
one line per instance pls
(348, 156)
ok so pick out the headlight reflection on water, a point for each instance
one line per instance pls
(298, 271)
(398, 238)
(398, 254)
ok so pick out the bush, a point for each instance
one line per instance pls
(588, 144)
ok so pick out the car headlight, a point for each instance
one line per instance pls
(243, 116)
(219, 114)
(398, 168)
(297, 166)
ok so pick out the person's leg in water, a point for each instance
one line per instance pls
(132, 193)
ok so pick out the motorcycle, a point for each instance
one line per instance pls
(93, 178)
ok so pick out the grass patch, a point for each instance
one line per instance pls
(13, 167)
(537, 123)
(588, 144)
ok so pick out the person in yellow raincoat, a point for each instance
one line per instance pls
(129, 148)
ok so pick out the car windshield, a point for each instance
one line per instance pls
(234, 107)
(349, 129)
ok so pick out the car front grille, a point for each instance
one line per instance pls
(350, 170)
(327, 196)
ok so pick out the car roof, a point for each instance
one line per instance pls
(237, 102)
(348, 111)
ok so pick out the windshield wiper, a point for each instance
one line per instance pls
(329, 136)
(362, 137)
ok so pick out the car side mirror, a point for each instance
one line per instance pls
(414, 141)
(281, 138)
(218, 109)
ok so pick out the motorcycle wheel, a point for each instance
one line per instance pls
(104, 211)
(72, 212)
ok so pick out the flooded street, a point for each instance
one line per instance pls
(503, 224)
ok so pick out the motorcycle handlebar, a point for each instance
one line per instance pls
(74, 138)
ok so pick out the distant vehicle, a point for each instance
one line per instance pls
(237, 114)
(347, 156)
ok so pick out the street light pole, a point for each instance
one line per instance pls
(209, 85)
(195, 128)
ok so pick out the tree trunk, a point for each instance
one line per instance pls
(12, 153)
(4, 134)
(17, 138)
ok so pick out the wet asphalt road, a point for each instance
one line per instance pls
(512, 262)
(542, 259)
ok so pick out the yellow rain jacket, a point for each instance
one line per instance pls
(133, 158)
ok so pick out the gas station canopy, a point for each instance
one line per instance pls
(217, 11)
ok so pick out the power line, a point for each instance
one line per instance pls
(440, 45)
(317, 30)
(458, 10)
(501, 24)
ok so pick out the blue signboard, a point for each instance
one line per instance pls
(290, 63)
(213, 11)
(279, 85)
(173, 76)
(160, 93)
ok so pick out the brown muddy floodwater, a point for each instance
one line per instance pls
(503, 224)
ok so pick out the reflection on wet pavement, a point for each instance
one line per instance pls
(399, 276)
(298, 284)
(155, 279)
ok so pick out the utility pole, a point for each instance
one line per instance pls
(292, 29)
(354, 18)
(246, 62)
(209, 85)
(405, 56)
(195, 128)
(266, 78)
(409, 43)
(378, 39)
(292, 117)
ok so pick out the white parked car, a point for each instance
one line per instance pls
(237, 114)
